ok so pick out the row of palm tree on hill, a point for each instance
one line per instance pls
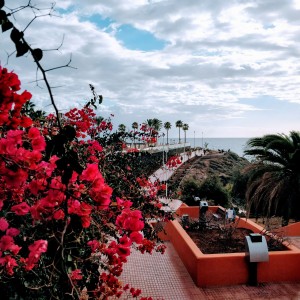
(156, 125)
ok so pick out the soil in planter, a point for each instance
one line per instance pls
(212, 241)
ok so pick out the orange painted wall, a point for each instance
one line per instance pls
(231, 269)
(292, 229)
(185, 247)
(193, 211)
(218, 269)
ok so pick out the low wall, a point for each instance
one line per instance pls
(193, 211)
(291, 230)
(230, 269)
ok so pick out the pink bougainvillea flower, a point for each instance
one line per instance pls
(94, 244)
(12, 232)
(123, 203)
(36, 249)
(15, 179)
(76, 275)
(90, 173)
(59, 215)
(21, 209)
(25, 122)
(136, 237)
(123, 251)
(38, 144)
(33, 133)
(130, 220)
(39, 246)
(9, 263)
(6, 242)
(3, 224)
(125, 241)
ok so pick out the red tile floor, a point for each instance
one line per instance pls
(165, 277)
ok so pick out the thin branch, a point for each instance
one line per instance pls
(39, 66)
(56, 49)
(65, 66)
(34, 18)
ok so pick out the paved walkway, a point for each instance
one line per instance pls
(164, 173)
(165, 277)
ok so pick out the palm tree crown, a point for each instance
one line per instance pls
(185, 127)
(274, 182)
(122, 128)
(135, 125)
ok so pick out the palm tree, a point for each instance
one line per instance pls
(274, 182)
(155, 126)
(167, 126)
(179, 124)
(135, 126)
(185, 127)
(122, 128)
(29, 109)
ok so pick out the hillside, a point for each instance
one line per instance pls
(222, 165)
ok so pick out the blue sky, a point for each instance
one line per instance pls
(226, 68)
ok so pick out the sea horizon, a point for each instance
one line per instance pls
(236, 145)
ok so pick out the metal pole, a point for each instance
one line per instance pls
(202, 139)
(166, 172)
(163, 159)
(194, 139)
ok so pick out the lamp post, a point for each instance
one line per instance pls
(166, 174)
(194, 139)
(163, 152)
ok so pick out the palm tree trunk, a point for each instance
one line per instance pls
(167, 136)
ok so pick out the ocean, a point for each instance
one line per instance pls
(236, 145)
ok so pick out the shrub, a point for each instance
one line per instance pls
(212, 189)
(65, 228)
(190, 189)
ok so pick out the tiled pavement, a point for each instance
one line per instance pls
(165, 277)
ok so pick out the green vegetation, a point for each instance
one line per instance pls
(274, 177)
(210, 189)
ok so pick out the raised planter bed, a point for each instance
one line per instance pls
(230, 268)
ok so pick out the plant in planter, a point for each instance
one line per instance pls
(220, 235)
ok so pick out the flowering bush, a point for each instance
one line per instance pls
(65, 233)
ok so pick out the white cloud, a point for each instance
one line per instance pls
(218, 53)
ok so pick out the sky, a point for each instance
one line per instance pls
(225, 68)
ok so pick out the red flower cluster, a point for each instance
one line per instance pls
(97, 189)
(36, 249)
(34, 194)
(173, 162)
(11, 102)
(130, 220)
